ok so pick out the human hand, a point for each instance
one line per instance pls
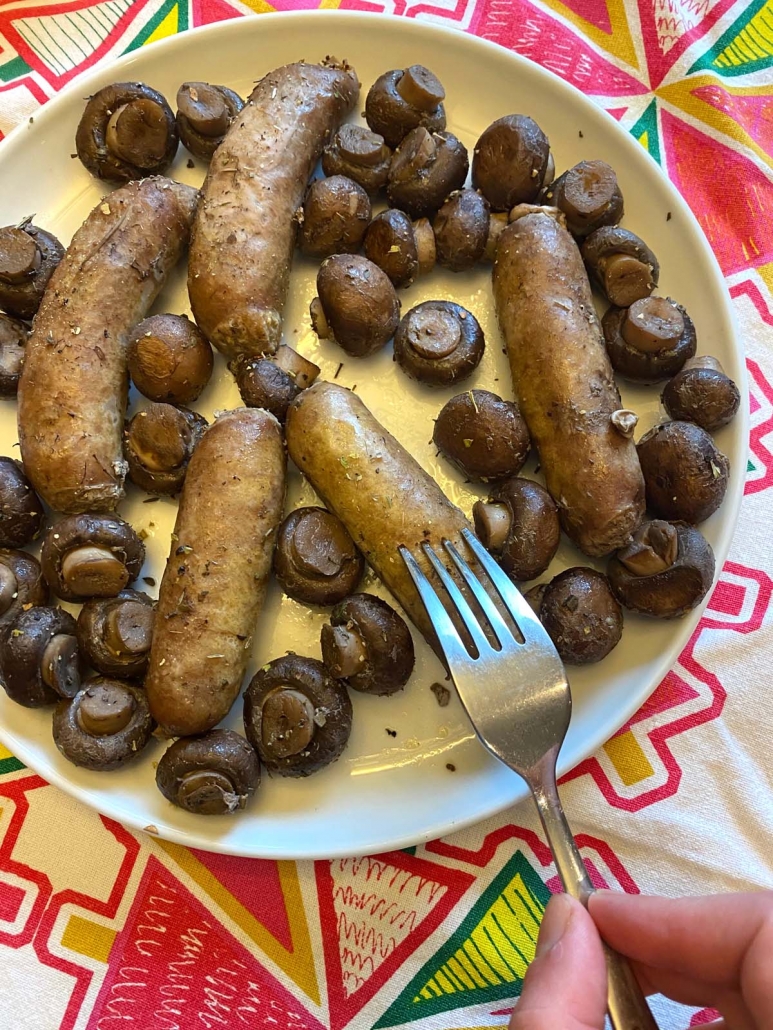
(714, 952)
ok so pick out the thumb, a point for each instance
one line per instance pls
(566, 985)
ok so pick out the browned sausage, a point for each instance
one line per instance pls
(73, 388)
(218, 568)
(564, 384)
(245, 229)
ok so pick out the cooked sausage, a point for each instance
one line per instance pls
(73, 388)
(245, 229)
(564, 385)
(378, 490)
(218, 568)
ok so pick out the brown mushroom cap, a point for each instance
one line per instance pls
(127, 131)
(315, 559)
(402, 99)
(114, 633)
(702, 393)
(425, 168)
(482, 435)
(204, 116)
(368, 645)
(589, 196)
(21, 510)
(649, 341)
(390, 243)
(104, 726)
(461, 229)
(439, 343)
(359, 154)
(13, 339)
(620, 264)
(666, 570)
(296, 716)
(685, 476)
(91, 556)
(510, 162)
(519, 524)
(39, 659)
(22, 586)
(169, 359)
(212, 774)
(336, 213)
(358, 304)
(158, 443)
(581, 615)
(28, 257)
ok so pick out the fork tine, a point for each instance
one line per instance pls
(531, 628)
(450, 641)
(459, 602)
(497, 623)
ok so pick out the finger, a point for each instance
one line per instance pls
(566, 984)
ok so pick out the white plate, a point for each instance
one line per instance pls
(386, 791)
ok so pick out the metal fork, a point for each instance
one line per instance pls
(518, 700)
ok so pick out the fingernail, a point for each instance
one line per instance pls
(554, 923)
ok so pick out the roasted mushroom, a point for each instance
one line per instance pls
(511, 162)
(128, 131)
(114, 633)
(21, 510)
(213, 774)
(273, 383)
(461, 229)
(204, 116)
(296, 716)
(336, 213)
(368, 645)
(158, 443)
(13, 338)
(356, 304)
(685, 476)
(39, 659)
(91, 556)
(665, 571)
(650, 340)
(104, 726)
(401, 100)
(519, 525)
(589, 196)
(359, 154)
(315, 559)
(401, 248)
(169, 359)
(22, 587)
(702, 393)
(581, 616)
(620, 264)
(439, 343)
(482, 435)
(425, 168)
(28, 257)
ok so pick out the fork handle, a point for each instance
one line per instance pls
(626, 1004)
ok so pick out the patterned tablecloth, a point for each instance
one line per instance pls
(102, 928)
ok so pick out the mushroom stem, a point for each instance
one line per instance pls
(349, 651)
(60, 666)
(420, 88)
(492, 524)
(624, 421)
(425, 245)
(652, 324)
(318, 321)
(550, 170)
(521, 210)
(128, 628)
(8, 588)
(208, 792)
(287, 722)
(703, 361)
(105, 709)
(625, 278)
(654, 549)
(302, 371)
(94, 572)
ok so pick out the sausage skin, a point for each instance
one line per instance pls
(244, 234)
(378, 490)
(218, 569)
(74, 383)
(564, 384)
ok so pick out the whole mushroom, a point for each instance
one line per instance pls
(22, 587)
(296, 716)
(158, 443)
(685, 476)
(620, 264)
(402, 99)
(39, 659)
(359, 154)
(336, 214)
(401, 248)
(13, 339)
(581, 615)
(127, 131)
(21, 510)
(589, 196)
(104, 726)
(28, 257)
(649, 341)
(702, 393)
(212, 774)
(439, 343)
(425, 168)
(356, 305)
(114, 633)
(461, 229)
(519, 525)
(169, 359)
(204, 116)
(511, 162)
(315, 559)
(368, 646)
(273, 382)
(91, 556)
(482, 435)
(666, 570)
